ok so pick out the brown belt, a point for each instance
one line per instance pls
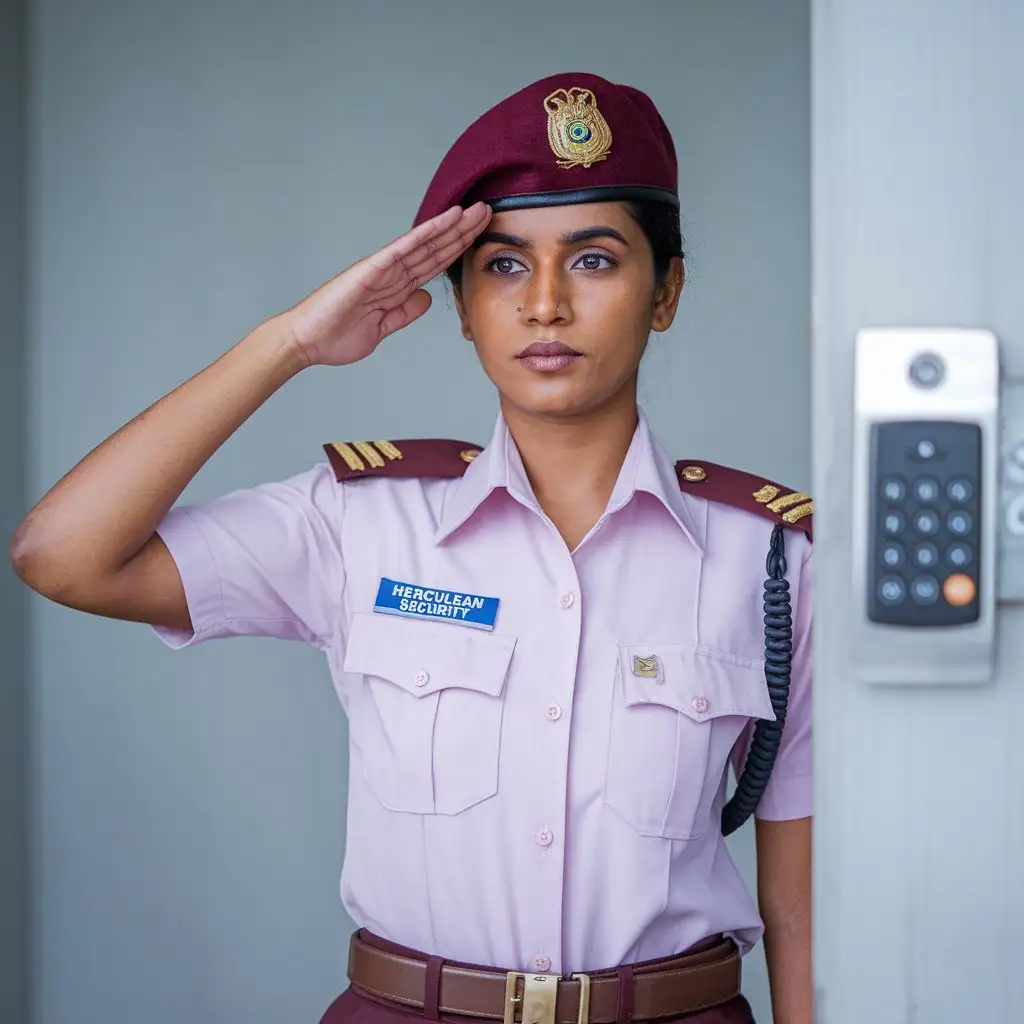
(666, 988)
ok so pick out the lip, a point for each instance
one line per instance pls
(549, 356)
(546, 349)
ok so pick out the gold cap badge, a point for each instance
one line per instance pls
(577, 130)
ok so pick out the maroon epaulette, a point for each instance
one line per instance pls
(746, 491)
(421, 457)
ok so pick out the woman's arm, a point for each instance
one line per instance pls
(784, 894)
(90, 544)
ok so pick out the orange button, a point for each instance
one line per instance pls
(959, 589)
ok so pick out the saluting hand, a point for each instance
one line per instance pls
(345, 319)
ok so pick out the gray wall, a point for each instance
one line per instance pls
(14, 680)
(918, 145)
(200, 168)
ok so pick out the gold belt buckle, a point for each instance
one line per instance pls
(540, 995)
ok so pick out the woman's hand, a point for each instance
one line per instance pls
(345, 319)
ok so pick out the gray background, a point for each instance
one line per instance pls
(197, 167)
(14, 677)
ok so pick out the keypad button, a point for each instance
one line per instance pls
(959, 522)
(959, 589)
(893, 555)
(926, 522)
(893, 522)
(925, 449)
(926, 489)
(894, 489)
(960, 489)
(959, 555)
(925, 590)
(891, 590)
(926, 555)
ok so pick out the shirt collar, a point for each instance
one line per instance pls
(646, 467)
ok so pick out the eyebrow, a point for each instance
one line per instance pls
(569, 238)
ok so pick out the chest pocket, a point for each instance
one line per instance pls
(676, 714)
(426, 723)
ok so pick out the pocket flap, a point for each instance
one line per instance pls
(424, 657)
(700, 682)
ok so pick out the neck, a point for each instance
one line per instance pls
(573, 461)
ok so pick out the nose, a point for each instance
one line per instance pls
(546, 299)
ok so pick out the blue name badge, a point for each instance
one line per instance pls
(394, 598)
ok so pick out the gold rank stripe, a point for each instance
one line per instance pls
(347, 452)
(787, 501)
(763, 496)
(370, 451)
(388, 450)
(794, 515)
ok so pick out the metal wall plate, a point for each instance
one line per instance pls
(945, 374)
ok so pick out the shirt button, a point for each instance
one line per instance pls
(542, 963)
(699, 704)
(567, 600)
(545, 837)
(422, 677)
(553, 712)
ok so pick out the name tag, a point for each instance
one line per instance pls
(394, 598)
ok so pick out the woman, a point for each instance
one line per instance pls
(548, 651)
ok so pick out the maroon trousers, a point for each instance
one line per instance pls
(352, 1007)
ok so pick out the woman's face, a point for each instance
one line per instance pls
(559, 302)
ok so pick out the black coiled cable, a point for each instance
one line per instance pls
(778, 660)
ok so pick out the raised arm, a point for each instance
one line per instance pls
(90, 542)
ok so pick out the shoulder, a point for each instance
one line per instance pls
(747, 492)
(415, 458)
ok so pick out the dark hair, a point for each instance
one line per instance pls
(659, 223)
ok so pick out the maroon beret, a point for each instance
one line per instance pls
(572, 138)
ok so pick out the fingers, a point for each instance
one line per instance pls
(401, 316)
(430, 259)
(429, 245)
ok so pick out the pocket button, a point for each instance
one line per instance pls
(699, 704)
(422, 677)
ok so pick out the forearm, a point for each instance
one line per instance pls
(788, 949)
(784, 884)
(100, 514)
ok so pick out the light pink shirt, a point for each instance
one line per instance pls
(519, 797)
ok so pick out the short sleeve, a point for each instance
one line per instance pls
(263, 561)
(789, 793)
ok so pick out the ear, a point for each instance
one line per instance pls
(460, 308)
(666, 296)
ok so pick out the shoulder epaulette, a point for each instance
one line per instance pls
(419, 457)
(748, 492)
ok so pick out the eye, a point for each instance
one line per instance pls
(503, 266)
(591, 261)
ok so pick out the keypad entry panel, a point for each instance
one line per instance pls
(925, 494)
(926, 544)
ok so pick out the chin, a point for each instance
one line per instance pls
(552, 399)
